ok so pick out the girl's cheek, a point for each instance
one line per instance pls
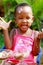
(30, 22)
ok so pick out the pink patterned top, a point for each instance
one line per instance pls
(24, 44)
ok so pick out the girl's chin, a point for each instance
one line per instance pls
(23, 30)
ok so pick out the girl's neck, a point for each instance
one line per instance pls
(28, 32)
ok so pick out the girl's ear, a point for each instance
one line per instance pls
(15, 20)
(32, 17)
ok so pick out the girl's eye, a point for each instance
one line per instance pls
(27, 17)
(20, 18)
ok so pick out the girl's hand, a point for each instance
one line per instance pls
(40, 34)
(18, 56)
(4, 25)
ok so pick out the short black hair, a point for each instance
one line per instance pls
(21, 4)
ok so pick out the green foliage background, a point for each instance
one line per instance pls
(37, 6)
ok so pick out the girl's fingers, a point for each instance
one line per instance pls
(2, 19)
(0, 26)
(9, 21)
(1, 22)
(42, 29)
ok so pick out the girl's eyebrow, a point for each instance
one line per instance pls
(30, 15)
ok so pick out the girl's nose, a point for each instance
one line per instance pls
(24, 20)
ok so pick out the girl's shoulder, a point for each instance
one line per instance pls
(13, 32)
(36, 33)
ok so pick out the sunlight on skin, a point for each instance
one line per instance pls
(25, 8)
(3, 24)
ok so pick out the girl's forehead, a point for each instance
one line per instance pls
(27, 9)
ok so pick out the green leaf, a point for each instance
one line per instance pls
(21, 1)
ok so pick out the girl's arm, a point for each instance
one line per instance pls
(4, 25)
(36, 44)
(40, 35)
(7, 40)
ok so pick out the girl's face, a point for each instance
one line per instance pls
(24, 17)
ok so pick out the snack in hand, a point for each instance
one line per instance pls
(5, 53)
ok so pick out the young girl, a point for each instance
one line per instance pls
(24, 41)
